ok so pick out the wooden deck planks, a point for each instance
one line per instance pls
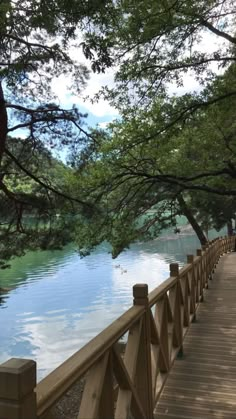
(203, 383)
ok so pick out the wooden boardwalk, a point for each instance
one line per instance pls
(202, 384)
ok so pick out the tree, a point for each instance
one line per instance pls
(140, 184)
(165, 146)
(154, 43)
(130, 182)
(38, 41)
(31, 216)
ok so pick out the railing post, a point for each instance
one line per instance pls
(205, 265)
(17, 383)
(174, 272)
(199, 253)
(174, 269)
(194, 293)
(144, 369)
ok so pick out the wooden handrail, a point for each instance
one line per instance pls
(52, 387)
(156, 326)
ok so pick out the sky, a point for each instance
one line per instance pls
(100, 113)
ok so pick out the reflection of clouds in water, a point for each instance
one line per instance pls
(148, 269)
(54, 339)
(4, 356)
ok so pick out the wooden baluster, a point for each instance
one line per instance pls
(161, 320)
(193, 288)
(186, 293)
(204, 265)
(218, 248)
(197, 278)
(17, 383)
(220, 251)
(106, 407)
(127, 392)
(226, 244)
(144, 369)
(155, 352)
(130, 364)
(90, 404)
(200, 274)
(211, 264)
(222, 246)
(177, 308)
(208, 264)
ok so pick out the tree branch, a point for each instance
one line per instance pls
(3, 122)
(44, 185)
(217, 32)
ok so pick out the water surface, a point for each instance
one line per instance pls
(56, 302)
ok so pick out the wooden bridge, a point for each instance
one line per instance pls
(178, 357)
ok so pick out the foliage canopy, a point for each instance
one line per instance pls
(133, 180)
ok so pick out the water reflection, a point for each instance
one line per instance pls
(59, 301)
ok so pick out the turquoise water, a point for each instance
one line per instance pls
(55, 302)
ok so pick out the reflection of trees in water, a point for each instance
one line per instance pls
(33, 265)
(3, 294)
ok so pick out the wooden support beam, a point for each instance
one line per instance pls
(106, 407)
(193, 287)
(125, 393)
(144, 368)
(90, 404)
(127, 390)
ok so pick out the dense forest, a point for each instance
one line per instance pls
(171, 152)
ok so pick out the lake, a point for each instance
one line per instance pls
(56, 301)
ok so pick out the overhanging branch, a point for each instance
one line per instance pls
(44, 185)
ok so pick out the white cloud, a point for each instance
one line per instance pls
(210, 43)
(103, 125)
(99, 108)
(96, 81)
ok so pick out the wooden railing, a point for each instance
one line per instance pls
(120, 382)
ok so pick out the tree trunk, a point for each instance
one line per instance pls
(3, 123)
(230, 228)
(191, 219)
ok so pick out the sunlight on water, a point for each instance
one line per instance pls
(55, 302)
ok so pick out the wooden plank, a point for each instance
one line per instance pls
(106, 407)
(143, 381)
(130, 361)
(192, 412)
(126, 389)
(161, 320)
(203, 383)
(93, 389)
